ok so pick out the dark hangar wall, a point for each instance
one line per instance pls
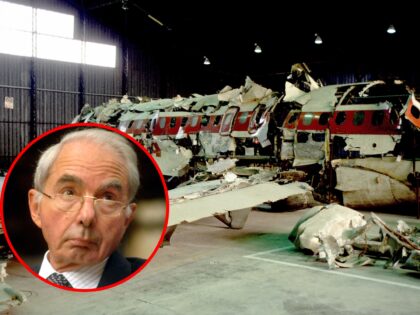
(50, 93)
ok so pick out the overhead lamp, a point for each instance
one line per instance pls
(257, 49)
(124, 5)
(318, 39)
(391, 29)
(206, 61)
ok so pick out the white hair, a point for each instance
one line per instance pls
(117, 143)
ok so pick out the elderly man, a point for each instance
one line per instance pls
(82, 200)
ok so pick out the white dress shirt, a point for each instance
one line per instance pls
(83, 278)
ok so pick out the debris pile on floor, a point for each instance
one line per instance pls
(344, 238)
(9, 297)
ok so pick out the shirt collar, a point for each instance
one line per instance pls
(84, 278)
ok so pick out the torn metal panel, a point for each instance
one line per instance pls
(173, 160)
(292, 92)
(323, 99)
(128, 116)
(227, 94)
(192, 210)
(299, 83)
(206, 100)
(308, 152)
(364, 188)
(253, 91)
(212, 144)
(287, 151)
(160, 104)
(391, 166)
(371, 144)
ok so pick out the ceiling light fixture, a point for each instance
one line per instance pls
(318, 39)
(391, 29)
(124, 5)
(206, 61)
(257, 49)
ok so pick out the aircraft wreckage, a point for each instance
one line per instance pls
(356, 142)
(344, 238)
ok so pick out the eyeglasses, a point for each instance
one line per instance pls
(73, 203)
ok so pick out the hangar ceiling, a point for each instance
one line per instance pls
(354, 33)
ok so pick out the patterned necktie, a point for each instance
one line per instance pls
(59, 279)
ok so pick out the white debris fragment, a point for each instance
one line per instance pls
(3, 273)
(221, 165)
(404, 228)
(329, 249)
(331, 220)
(230, 177)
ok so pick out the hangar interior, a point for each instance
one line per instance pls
(58, 56)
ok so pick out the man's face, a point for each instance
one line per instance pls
(85, 237)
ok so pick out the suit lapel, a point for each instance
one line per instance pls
(116, 269)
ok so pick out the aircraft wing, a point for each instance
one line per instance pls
(189, 210)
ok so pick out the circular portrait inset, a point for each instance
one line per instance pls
(84, 207)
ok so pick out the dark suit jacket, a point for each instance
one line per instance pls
(116, 269)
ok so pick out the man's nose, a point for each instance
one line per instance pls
(87, 211)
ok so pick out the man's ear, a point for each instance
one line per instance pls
(33, 202)
(129, 218)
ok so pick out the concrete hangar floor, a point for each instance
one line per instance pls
(211, 269)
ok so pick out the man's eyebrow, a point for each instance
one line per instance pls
(116, 184)
(66, 178)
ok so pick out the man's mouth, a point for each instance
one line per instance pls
(82, 242)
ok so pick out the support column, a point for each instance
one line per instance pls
(124, 87)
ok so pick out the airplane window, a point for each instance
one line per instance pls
(204, 120)
(323, 118)
(227, 120)
(125, 125)
(138, 124)
(243, 117)
(162, 122)
(393, 118)
(340, 118)
(194, 121)
(377, 117)
(302, 137)
(358, 118)
(131, 124)
(184, 121)
(415, 112)
(173, 122)
(318, 137)
(293, 118)
(307, 119)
